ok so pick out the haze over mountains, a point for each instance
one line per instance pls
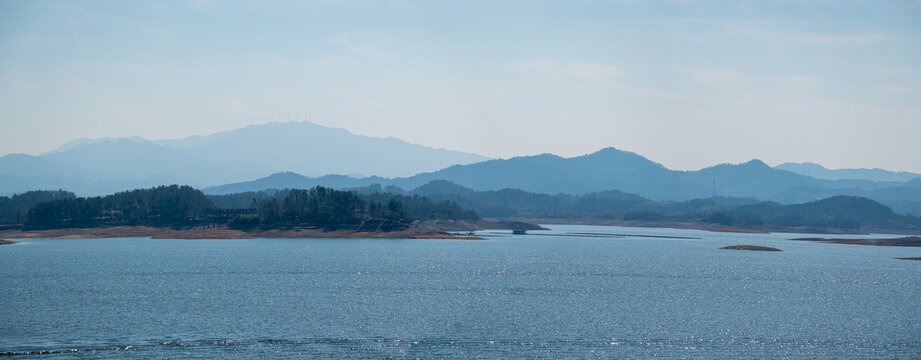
(101, 166)
(612, 169)
(300, 155)
(820, 172)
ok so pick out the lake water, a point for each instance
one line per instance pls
(574, 291)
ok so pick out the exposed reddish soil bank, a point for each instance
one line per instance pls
(913, 241)
(223, 233)
(750, 247)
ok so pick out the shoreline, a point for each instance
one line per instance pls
(644, 223)
(688, 225)
(907, 241)
(214, 233)
(428, 229)
(431, 229)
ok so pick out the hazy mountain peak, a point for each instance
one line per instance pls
(540, 156)
(621, 159)
(84, 141)
(756, 163)
(610, 150)
(753, 164)
(286, 175)
(315, 150)
(226, 157)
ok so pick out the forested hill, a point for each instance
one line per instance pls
(15, 209)
(160, 206)
(183, 206)
(835, 214)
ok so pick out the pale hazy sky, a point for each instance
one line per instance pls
(685, 83)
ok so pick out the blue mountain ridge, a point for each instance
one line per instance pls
(288, 150)
(613, 169)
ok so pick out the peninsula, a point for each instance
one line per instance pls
(222, 232)
(182, 212)
(429, 211)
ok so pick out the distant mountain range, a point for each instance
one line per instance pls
(300, 154)
(102, 166)
(612, 169)
(820, 172)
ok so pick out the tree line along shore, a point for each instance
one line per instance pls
(183, 211)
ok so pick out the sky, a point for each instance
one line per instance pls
(688, 84)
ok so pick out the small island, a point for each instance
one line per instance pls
(749, 247)
(909, 258)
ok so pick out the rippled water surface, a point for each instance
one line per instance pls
(574, 291)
